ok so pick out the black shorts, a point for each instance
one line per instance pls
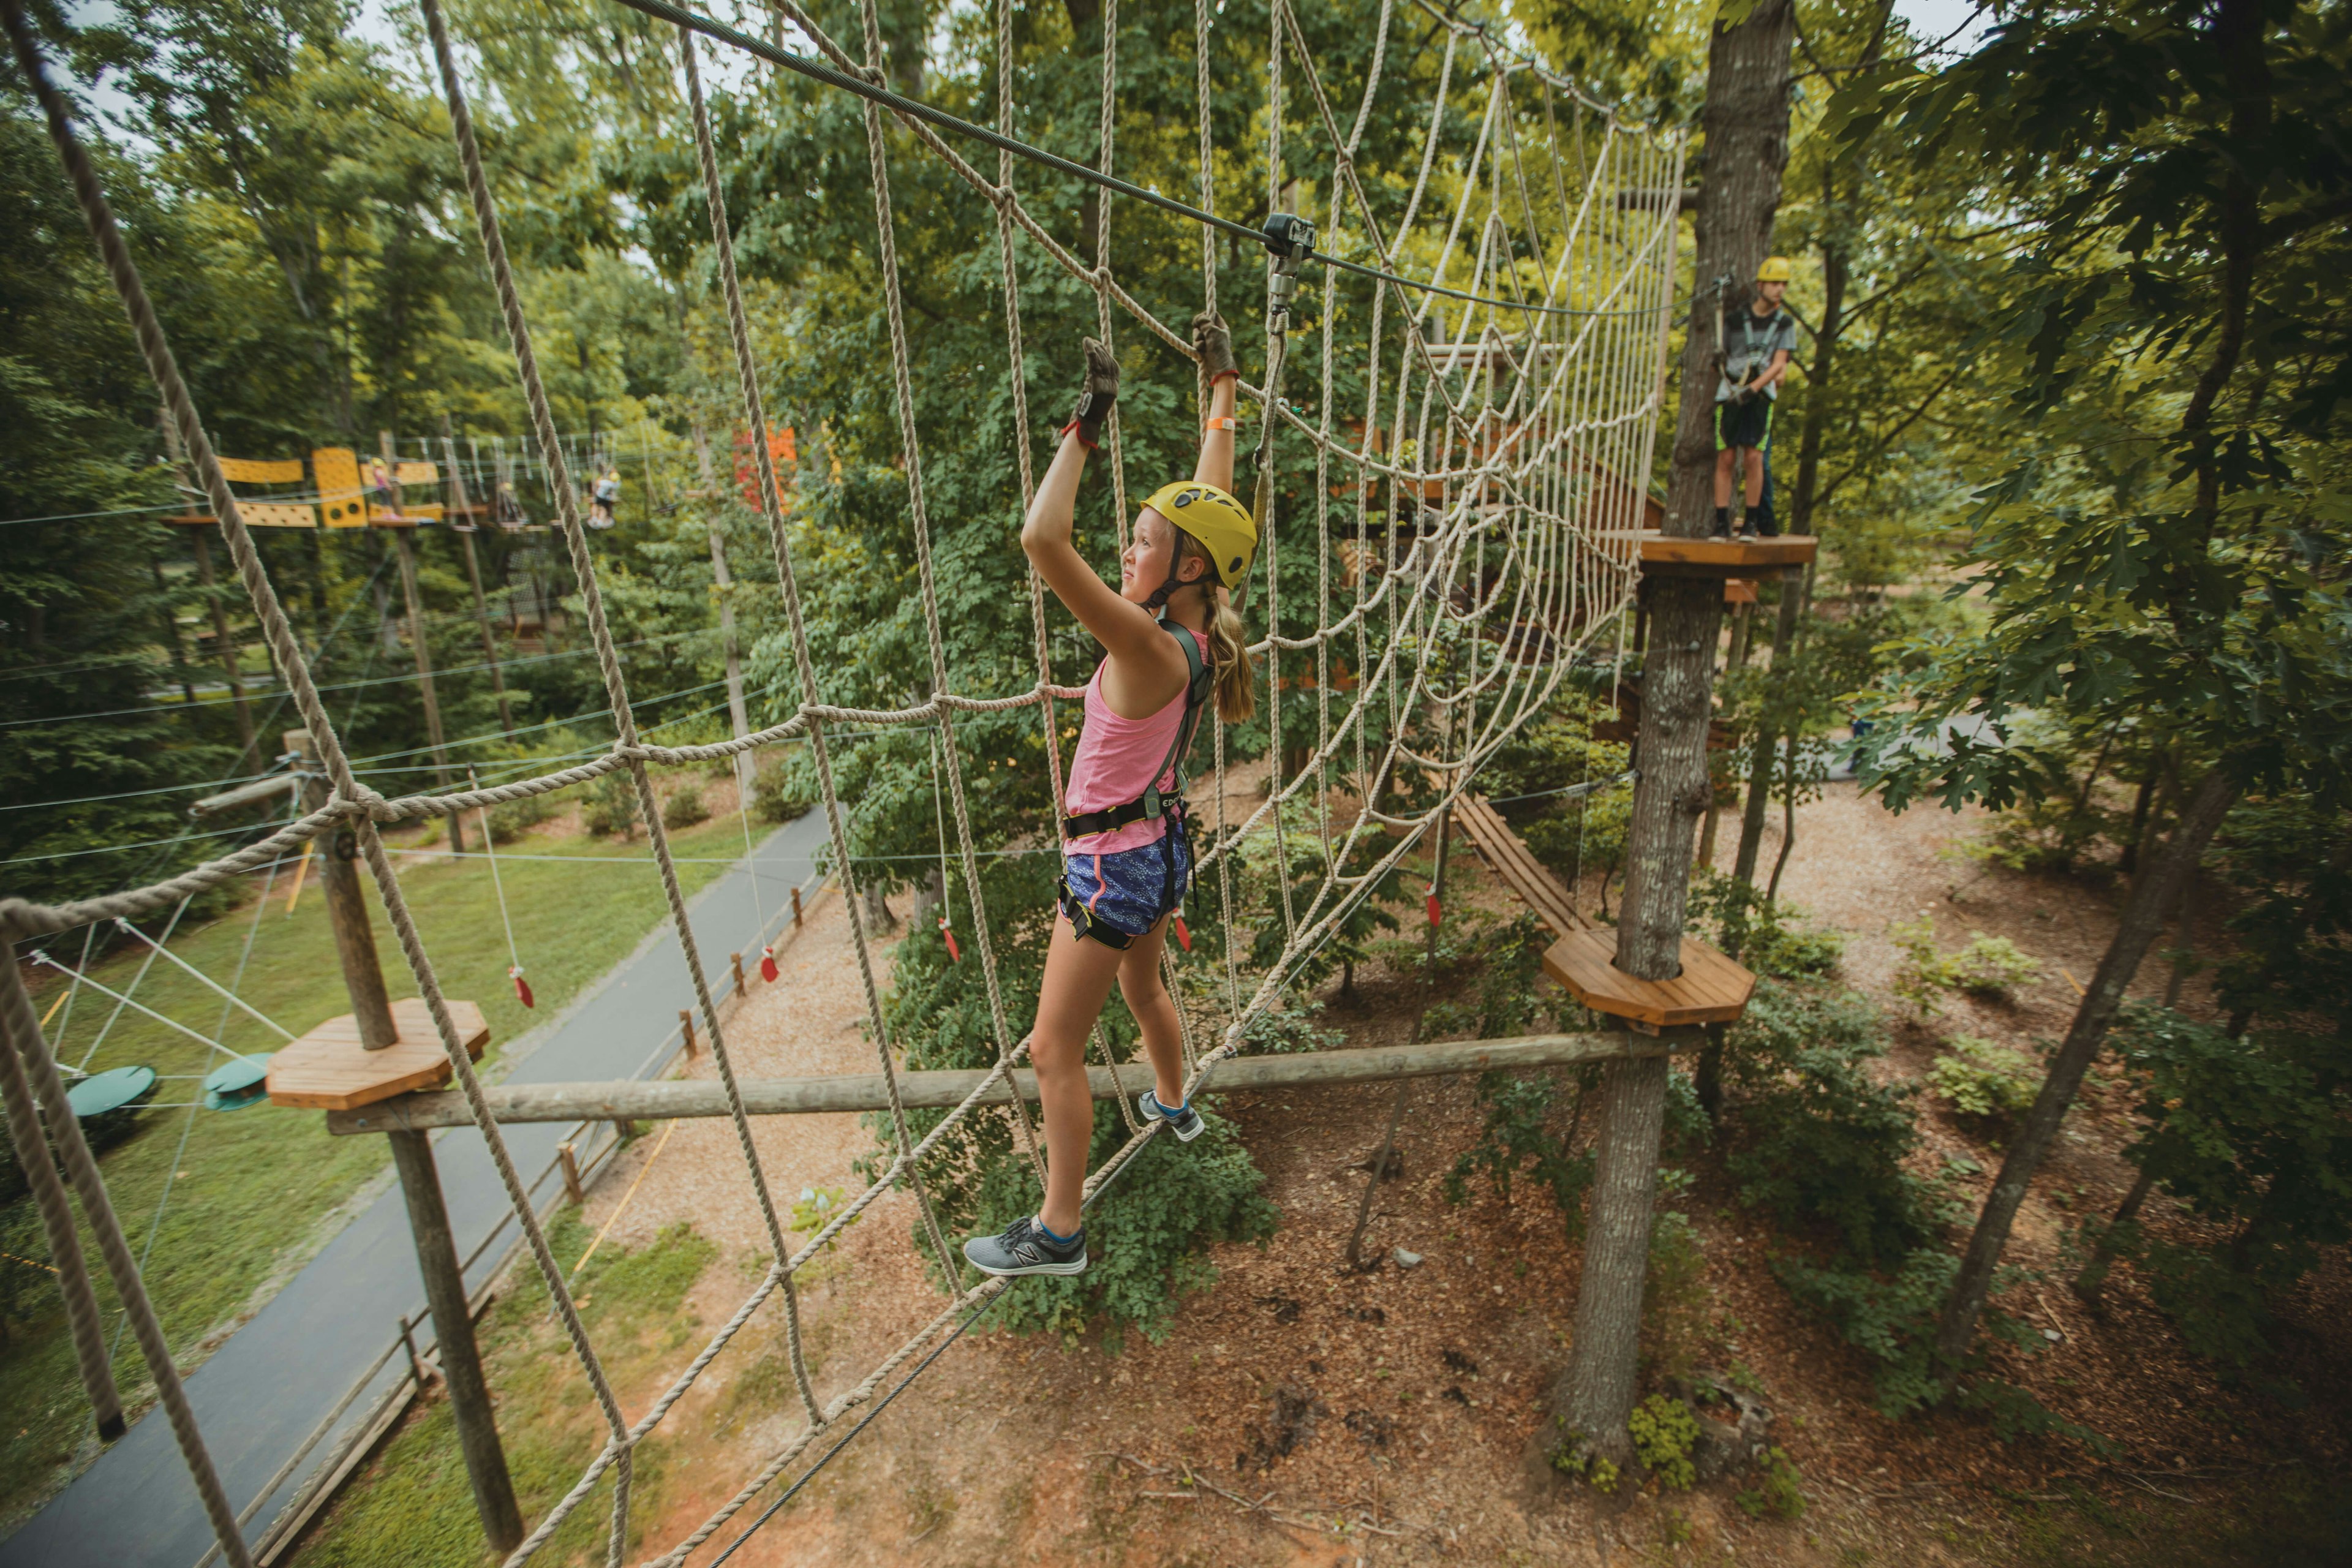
(1747, 424)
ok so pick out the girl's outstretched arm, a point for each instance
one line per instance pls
(1125, 630)
(1215, 347)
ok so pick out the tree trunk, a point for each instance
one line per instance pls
(1760, 755)
(2143, 916)
(2094, 1277)
(1747, 127)
(1746, 123)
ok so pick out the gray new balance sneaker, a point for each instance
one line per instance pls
(1023, 1248)
(1185, 1121)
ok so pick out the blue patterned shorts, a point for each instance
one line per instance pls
(1120, 896)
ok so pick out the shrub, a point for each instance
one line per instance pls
(612, 805)
(1891, 1321)
(1742, 921)
(1295, 1027)
(1515, 1142)
(1991, 966)
(1980, 1078)
(1988, 966)
(684, 807)
(783, 790)
(1815, 1141)
(515, 817)
(1665, 1431)
(1780, 1494)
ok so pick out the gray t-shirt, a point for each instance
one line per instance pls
(1749, 342)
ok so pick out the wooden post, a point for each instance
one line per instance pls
(474, 575)
(347, 912)
(624, 1128)
(416, 1371)
(796, 907)
(573, 1192)
(714, 502)
(686, 1027)
(403, 543)
(453, 1326)
(735, 964)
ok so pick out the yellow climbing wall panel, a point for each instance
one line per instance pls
(337, 471)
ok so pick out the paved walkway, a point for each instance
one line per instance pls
(264, 1391)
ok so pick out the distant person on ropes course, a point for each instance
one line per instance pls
(1757, 340)
(1174, 643)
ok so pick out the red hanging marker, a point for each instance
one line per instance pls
(523, 986)
(948, 931)
(1433, 905)
(768, 963)
(1183, 937)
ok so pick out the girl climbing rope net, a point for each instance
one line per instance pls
(1175, 644)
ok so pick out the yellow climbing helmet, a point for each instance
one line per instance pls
(1776, 269)
(1222, 524)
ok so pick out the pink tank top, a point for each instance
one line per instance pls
(1114, 764)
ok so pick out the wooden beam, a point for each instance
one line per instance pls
(678, 1097)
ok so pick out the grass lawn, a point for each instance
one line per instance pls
(414, 1505)
(248, 1195)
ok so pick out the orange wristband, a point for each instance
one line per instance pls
(1223, 422)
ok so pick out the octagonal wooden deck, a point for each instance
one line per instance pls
(1675, 555)
(1711, 989)
(329, 1069)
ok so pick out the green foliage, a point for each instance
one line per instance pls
(814, 1209)
(2162, 542)
(2288, 859)
(1743, 921)
(1517, 1141)
(1815, 1141)
(780, 793)
(1507, 959)
(512, 819)
(1992, 966)
(1989, 966)
(1574, 1456)
(1890, 1319)
(1665, 1431)
(684, 807)
(2252, 1135)
(1779, 1493)
(1278, 1030)
(1979, 1077)
(612, 805)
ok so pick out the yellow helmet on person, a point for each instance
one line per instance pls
(1222, 524)
(1776, 269)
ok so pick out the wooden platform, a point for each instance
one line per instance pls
(1508, 853)
(328, 1069)
(1711, 989)
(1671, 555)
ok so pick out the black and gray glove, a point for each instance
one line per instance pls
(1215, 344)
(1096, 395)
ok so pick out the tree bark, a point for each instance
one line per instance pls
(2094, 1277)
(1747, 126)
(1760, 755)
(2152, 894)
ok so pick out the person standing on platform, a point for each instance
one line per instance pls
(1757, 339)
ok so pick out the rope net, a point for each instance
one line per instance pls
(1481, 506)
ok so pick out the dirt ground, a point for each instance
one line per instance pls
(1303, 1414)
